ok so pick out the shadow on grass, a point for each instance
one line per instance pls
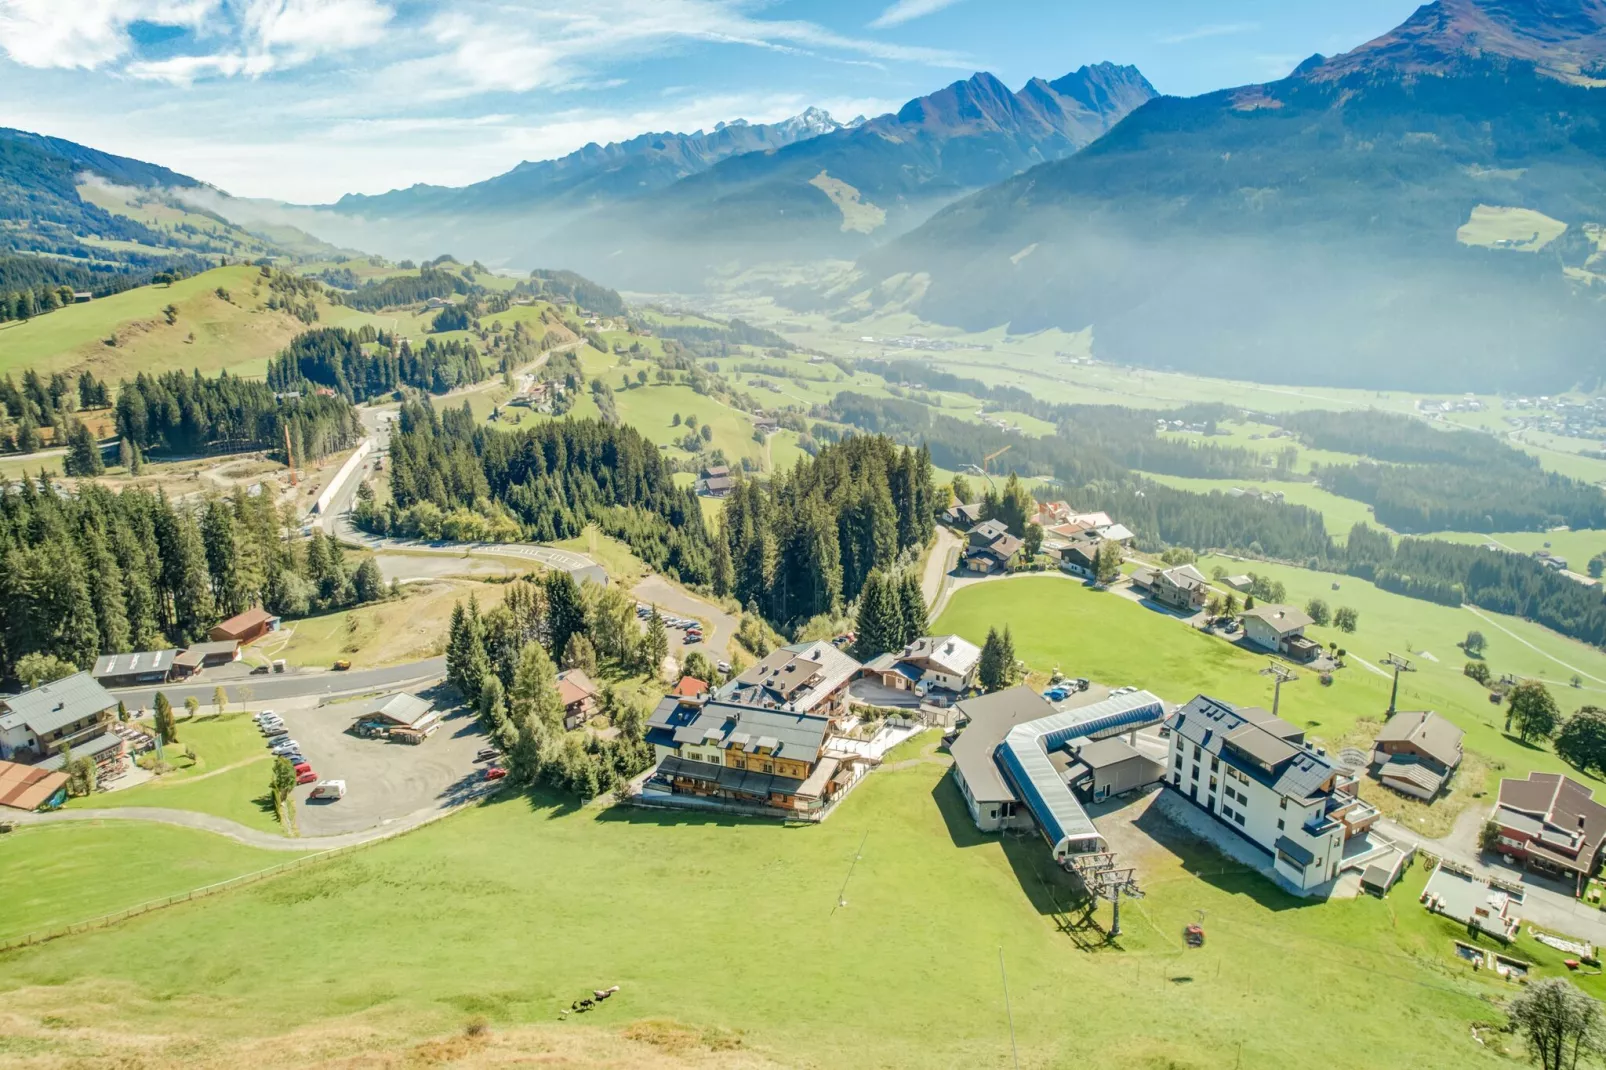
(956, 815)
(1202, 860)
(1519, 741)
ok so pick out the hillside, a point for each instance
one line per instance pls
(1413, 214)
(65, 199)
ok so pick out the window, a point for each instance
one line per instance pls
(1226, 811)
(1179, 760)
(1196, 752)
(1215, 763)
(1196, 772)
(1213, 786)
(1176, 779)
(1238, 818)
(1282, 804)
(1279, 824)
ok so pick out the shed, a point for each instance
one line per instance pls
(129, 670)
(245, 628)
(1113, 766)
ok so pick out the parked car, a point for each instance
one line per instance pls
(302, 767)
(494, 772)
(284, 745)
(309, 777)
(485, 754)
(329, 789)
(273, 730)
(1078, 684)
(293, 759)
(692, 637)
(342, 665)
(279, 665)
(264, 715)
(1122, 691)
(724, 666)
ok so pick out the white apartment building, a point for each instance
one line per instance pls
(1255, 773)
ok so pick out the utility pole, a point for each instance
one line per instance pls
(1400, 665)
(1283, 675)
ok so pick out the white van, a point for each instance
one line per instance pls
(328, 789)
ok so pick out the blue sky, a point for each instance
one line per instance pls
(304, 100)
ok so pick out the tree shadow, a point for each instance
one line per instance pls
(1203, 860)
(1519, 741)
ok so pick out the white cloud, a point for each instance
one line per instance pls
(908, 10)
(86, 33)
(1199, 33)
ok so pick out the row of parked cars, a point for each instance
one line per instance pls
(280, 745)
(692, 628)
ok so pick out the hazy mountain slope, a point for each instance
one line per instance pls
(1307, 230)
(840, 193)
(595, 172)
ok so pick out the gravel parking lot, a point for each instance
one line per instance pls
(384, 780)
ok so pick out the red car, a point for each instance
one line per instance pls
(308, 777)
(304, 767)
(495, 772)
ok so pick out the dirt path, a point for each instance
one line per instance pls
(231, 767)
(940, 562)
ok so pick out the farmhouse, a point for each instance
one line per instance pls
(28, 787)
(1552, 824)
(579, 697)
(129, 670)
(75, 712)
(943, 662)
(1281, 630)
(245, 628)
(990, 547)
(1255, 773)
(1182, 588)
(1416, 752)
(402, 717)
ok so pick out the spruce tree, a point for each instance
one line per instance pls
(870, 639)
(83, 453)
(913, 608)
(565, 610)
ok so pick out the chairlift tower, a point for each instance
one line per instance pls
(1104, 879)
(1283, 675)
(1400, 665)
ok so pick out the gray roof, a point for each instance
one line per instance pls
(1433, 735)
(136, 664)
(951, 653)
(798, 676)
(402, 708)
(989, 530)
(94, 748)
(1104, 753)
(1264, 749)
(792, 735)
(56, 705)
(1282, 618)
(222, 646)
(1414, 772)
(991, 718)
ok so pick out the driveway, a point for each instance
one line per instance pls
(720, 626)
(384, 781)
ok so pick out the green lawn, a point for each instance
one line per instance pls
(895, 898)
(623, 566)
(229, 777)
(55, 875)
(1576, 546)
(1108, 638)
(651, 410)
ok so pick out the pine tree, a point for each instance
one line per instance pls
(222, 558)
(654, 645)
(996, 666)
(535, 689)
(83, 453)
(913, 608)
(565, 610)
(166, 730)
(580, 654)
(871, 639)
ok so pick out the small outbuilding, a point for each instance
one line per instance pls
(1108, 767)
(402, 717)
(245, 628)
(131, 670)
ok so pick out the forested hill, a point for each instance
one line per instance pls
(1356, 225)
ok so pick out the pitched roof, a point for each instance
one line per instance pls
(689, 687)
(1103, 753)
(989, 530)
(574, 686)
(1282, 618)
(1412, 772)
(800, 676)
(1255, 743)
(28, 787)
(241, 623)
(94, 748)
(991, 718)
(140, 663)
(1435, 736)
(402, 708)
(1572, 821)
(950, 653)
(56, 705)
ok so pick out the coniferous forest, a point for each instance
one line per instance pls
(103, 573)
(190, 414)
(339, 359)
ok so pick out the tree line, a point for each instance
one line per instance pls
(189, 414)
(340, 360)
(377, 294)
(45, 403)
(805, 542)
(546, 482)
(103, 573)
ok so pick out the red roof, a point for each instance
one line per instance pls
(245, 622)
(689, 687)
(25, 787)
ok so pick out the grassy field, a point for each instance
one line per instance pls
(61, 874)
(1254, 436)
(1338, 514)
(1522, 229)
(623, 566)
(895, 915)
(651, 410)
(1108, 638)
(1576, 546)
(384, 633)
(237, 335)
(229, 777)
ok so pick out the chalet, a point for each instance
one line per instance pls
(986, 533)
(1416, 752)
(131, 670)
(82, 297)
(1079, 555)
(1255, 773)
(942, 662)
(245, 628)
(806, 678)
(766, 425)
(28, 787)
(990, 547)
(1281, 630)
(579, 697)
(963, 516)
(75, 711)
(1552, 824)
(1181, 588)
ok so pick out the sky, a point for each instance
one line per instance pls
(305, 100)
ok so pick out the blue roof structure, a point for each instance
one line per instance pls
(1023, 756)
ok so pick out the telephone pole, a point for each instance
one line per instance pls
(1400, 665)
(1283, 675)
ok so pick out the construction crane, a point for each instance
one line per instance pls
(991, 457)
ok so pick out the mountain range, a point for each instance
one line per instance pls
(661, 208)
(1425, 211)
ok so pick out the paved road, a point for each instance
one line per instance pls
(672, 600)
(944, 558)
(254, 837)
(303, 684)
